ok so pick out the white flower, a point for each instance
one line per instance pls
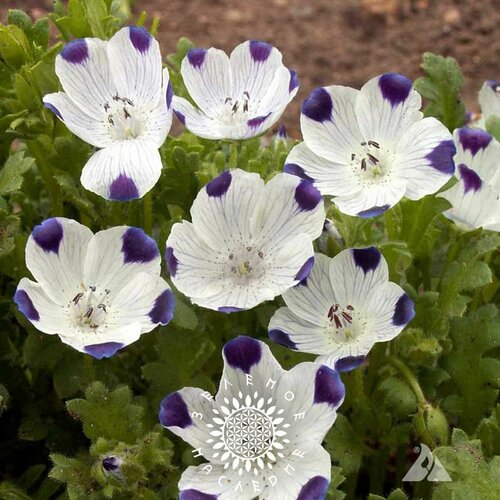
(98, 292)
(475, 197)
(345, 306)
(262, 432)
(489, 100)
(371, 147)
(248, 241)
(116, 97)
(237, 97)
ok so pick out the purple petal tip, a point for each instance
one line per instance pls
(174, 412)
(48, 235)
(243, 352)
(123, 188)
(307, 196)
(314, 489)
(473, 139)
(395, 88)
(25, 305)
(348, 363)
(140, 38)
(163, 308)
(328, 387)
(404, 311)
(76, 51)
(172, 261)
(367, 259)
(280, 337)
(219, 186)
(105, 350)
(318, 106)
(196, 57)
(260, 51)
(138, 247)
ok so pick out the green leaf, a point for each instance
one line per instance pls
(184, 316)
(441, 86)
(14, 47)
(9, 227)
(11, 175)
(493, 126)
(478, 274)
(489, 433)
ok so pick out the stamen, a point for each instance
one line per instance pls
(372, 158)
(353, 156)
(106, 106)
(374, 144)
(103, 307)
(235, 107)
(89, 312)
(126, 113)
(77, 298)
(363, 164)
(110, 119)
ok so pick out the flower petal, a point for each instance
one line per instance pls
(55, 253)
(329, 124)
(197, 122)
(489, 98)
(124, 171)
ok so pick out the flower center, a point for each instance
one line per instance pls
(89, 308)
(372, 163)
(345, 324)
(248, 433)
(245, 264)
(235, 110)
(124, 120)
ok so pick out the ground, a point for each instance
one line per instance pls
(329, 42)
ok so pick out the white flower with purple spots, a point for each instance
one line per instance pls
(238, 97)
(346, 305)
(371, 147)
(489, 100)
(262, 432)
(117, 98)
(475, 198)
(248, 241)
(98, 292)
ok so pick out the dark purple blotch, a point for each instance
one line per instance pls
(138, 247)
(260, 51)
(170, 94)
(48, 235)
(328, 387)
(123, 188)
(196, 495)
(366, 258)
(76, 51)
(104, 350)
(25, 305)
(140, 38)
(219, 185)
(473, 139)
(294, 81)
(307, 196)
(348, 363)
(395, 88)
(172, 261)
(304, 271)
(174, 412)
(54, 110)
(294, 169)
(196, 57)
(282, 338)
(404, 311)
(256, 122)
(314, 489)
(243, 352)
(493, 84)
(373, 211)
(318, 106)
(229, 309)
(163, 308)
(110, 464)
(471, 180)
(441, 157)
(180, 117)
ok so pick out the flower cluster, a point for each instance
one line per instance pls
(248, 241)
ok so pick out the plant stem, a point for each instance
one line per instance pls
(411, 379)
(233, 156)
(390, 225)
(147, 205)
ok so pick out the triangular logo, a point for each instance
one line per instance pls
(426, 466)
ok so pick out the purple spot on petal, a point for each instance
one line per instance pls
(196, 495)
(314, 489)
(304, 271)
(471, 180)
(54, 110)
(294, 81)
(367, 259)
(318, 106)
(260, 50)
(493, 84)
(243, 352)
(180, 117)
(174, 412)
(328, 387)
(404, 311)
(196, 57)
(48, 235)
(473, 139)
(256, 122)
(219, 185)
(172, 261)
(111, 464)
(123, 188)
(170, 95)
(229, 309)
(294, 169)
(348, 363)
(105, 350)
(395, 87)
(281, 132)
(282, 338)
(307, 196)
(163, 308)
(373, 211)
(140, 38)
(138, 247)
(25, 305)
(441, 157)
(76, 51)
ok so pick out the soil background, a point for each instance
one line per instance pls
(329, 42)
